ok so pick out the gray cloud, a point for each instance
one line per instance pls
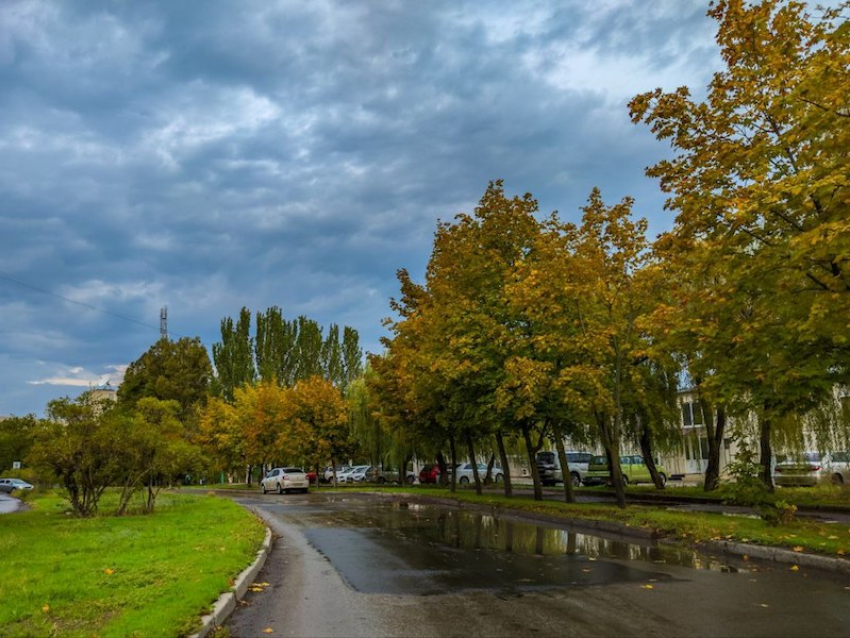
(210, 155)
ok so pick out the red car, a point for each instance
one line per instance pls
(311, 477)
(429, 474)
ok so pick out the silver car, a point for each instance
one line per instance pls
(284, 480)
(813, 468)
(465, 475)
(9, 485)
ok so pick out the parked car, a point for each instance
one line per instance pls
(379, 475)
(812, 468)
(311, 476)
(355, 474)
(429, 474)
(284, 480)
(634, 471)
(9, 485)
(328, 473)
(465, 474)
(549, 466)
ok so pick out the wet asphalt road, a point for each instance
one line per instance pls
(347, 566)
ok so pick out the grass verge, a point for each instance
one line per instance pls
(688, 526)
(138, 575)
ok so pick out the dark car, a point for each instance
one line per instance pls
(429, 474)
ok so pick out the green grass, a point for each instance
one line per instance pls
(692, 527)
(134, 575)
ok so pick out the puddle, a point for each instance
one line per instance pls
(430, 550)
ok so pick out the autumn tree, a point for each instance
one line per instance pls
(760, 185)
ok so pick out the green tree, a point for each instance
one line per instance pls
(234, 356)
(76, 444)
(169, 371)
(16, 439)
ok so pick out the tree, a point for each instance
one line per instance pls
(169, 371)
(234, 356)
(316, 424)
(275, 349)
(760, 187)
(16, 439)
(156, 451)
(77, 445)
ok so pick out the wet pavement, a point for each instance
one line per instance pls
(348, 566)
(9, 504)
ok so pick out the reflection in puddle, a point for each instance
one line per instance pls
(427, 549)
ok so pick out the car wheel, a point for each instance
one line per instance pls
(576, 479)
(381, 480)
(280, 489)
(263, 486)
(625, 480)
(663, 477)
(837, 479)
(500, 478)
(411, 480)
(463, 480)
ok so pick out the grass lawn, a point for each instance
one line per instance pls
(136, 575)
(693, 527)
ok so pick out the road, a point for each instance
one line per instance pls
(347, 566)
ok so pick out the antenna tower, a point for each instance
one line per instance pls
(163, 323)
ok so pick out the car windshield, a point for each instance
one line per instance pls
(293, 470)
(599, 460)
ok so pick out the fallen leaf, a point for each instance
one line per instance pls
(832, 537)
(798, 548)
(108, 571)
(585, 570)
(46, 608)
(268, 630)
(647, 587)
(763, 605)
(746, 557)
(794, 568)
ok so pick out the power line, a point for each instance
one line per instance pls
(79, 303)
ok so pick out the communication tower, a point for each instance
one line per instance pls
(163, 323)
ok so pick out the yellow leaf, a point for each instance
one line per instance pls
(798, 548)
(46, 608)
(794, 568)
(108, 571)
(647, 587)
(268, 630)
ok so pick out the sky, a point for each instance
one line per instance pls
(206, 155)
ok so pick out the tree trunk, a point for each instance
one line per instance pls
(611, 444)
(453, 452)
(714, 433)
(474, 464)
(766, 453)
(506, 470)
(648, 458)
(535, 473)
(402, 473)
(444, 473)
(488, 478)
(569, 494)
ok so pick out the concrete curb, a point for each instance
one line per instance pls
(779, 555)
(226, 603)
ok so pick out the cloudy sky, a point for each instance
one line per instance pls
(209, 155)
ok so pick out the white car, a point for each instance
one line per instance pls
(355, 475)
(328, 473)
(465, 475)
(284, 480)
(812, 468)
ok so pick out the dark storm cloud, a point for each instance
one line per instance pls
(210, 155)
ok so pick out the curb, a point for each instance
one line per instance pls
(786, 556)
(226, 603)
